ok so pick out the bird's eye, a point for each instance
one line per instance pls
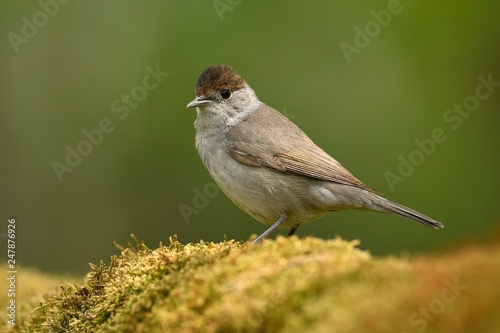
(225, 93)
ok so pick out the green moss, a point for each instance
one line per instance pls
(288, 284)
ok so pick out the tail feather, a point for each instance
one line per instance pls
(388, 206)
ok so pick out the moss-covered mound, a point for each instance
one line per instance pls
(289, 285)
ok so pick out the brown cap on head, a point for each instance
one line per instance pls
(218, 77)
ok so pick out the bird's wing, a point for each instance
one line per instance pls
(278, 144)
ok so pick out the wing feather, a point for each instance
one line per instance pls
(285, 148)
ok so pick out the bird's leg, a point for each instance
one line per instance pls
(293, 230)
(270, 229)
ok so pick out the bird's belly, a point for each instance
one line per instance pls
(263, 193)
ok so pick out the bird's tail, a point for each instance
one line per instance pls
(383, 205)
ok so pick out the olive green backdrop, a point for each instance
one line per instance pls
(364, 79)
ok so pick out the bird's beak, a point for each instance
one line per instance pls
(198, 101)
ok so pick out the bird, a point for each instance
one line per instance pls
(268, 166)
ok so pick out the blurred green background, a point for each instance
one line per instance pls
(61, 78)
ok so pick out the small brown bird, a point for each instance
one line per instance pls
(267, 165)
